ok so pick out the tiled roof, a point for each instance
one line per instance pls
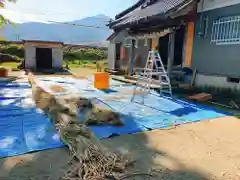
(111, 36)
(151, 8)
(126, 11)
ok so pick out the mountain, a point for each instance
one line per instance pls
(71, 34)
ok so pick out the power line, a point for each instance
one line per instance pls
(37, 12)
(80, 25)
(86, 43)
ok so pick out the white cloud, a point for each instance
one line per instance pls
(20, 17)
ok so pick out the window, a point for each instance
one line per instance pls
(226, 31)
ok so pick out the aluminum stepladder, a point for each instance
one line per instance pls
(154, 67)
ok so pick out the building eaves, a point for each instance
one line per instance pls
(153, 9)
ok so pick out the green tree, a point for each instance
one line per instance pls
(3, 20)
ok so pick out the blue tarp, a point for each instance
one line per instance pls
(14, 85)
(156, 112)
(23, 128)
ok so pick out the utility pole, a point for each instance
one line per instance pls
(17, 37)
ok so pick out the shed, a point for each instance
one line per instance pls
(43, 54)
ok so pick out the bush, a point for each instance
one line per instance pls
(84, 53)
(70, 57)
(13, 49)
(74, 55)
(8, 58)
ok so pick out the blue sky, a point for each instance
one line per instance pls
(62, 10)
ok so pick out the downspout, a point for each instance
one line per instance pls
(201, 17)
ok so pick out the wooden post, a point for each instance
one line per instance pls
(189, 45)
(131, 58)
(171, 45)
(154, 43)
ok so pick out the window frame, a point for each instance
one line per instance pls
(226, 30)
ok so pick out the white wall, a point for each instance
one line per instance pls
(30, 56)
(214, 4)
(111, 55)
(215, 81)
(119, 38)
(57, 55)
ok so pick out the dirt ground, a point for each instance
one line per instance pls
(83, 71)
(206, 150)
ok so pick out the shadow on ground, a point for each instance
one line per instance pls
(51, 164)
(56, 71)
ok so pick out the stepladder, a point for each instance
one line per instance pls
(153, 76)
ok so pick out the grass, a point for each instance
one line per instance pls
(92, 64)
(10, 65)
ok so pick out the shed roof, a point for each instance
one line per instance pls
(42, 41)
(151, 9)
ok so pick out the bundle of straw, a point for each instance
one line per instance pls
(57, 88)
(91, 160)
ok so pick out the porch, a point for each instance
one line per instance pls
(172, 37)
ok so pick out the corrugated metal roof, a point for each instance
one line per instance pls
(156, 8)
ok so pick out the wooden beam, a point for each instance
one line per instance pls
(152, 35)
(154, 43)
(131, 63)
(156, 26)
(189, 45)
(171, 45)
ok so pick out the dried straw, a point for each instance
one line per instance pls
(134, 92)
(57, 88)
(80, 77)
(91, 160)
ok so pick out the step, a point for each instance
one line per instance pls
(153, 73)
(166, 90)
(164, 83)
(144, 76)
(155, 69)
(161, 68)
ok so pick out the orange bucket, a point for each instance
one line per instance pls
(3, 72)
(101, 80)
